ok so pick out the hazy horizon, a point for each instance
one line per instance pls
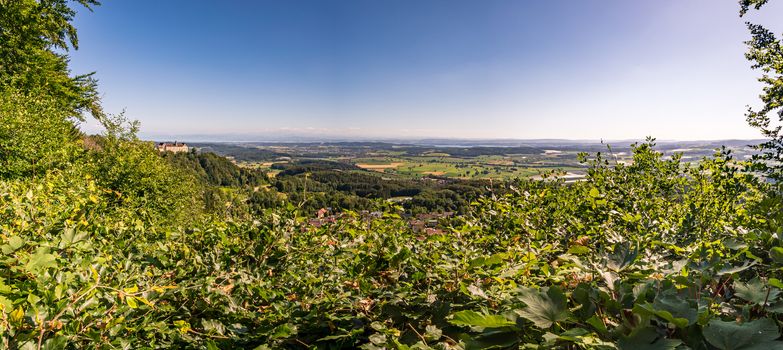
(303, 138)
(593, 70)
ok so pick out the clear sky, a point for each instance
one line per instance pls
(673, 69)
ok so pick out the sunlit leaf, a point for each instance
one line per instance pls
(474, 319)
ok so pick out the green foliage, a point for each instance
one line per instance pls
(63, 275)
(228, 190)
(474, 319)
(758, 334)
(216, 170)
(765, 51)
(754, 291)
(140, 179)
(321, 184)
(745, 5)
(33, 33)
(34, 135)
(543, 308)
(105, 246)
(647, 339)
(507, 274)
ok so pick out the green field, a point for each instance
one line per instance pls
(501, 167)
(482, 167)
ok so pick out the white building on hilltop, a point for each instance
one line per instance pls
(175, 147)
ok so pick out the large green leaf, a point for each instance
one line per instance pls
(754, 335)
(581, 337)
(474, 319)
(41, 260)
(677, 306)
(544, 307)
(734, 269)
(14, 243)
(776, 253)
(671, 308)
(647, 339)
(734, 244)
(283, 331)
(496, 339)
(755, 291)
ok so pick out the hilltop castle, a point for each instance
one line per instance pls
(175, 147)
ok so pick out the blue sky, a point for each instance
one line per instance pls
(673, 69)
